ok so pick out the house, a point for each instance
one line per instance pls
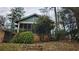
(26, 23)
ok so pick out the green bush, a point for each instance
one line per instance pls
(60, 35)
(23, 37)
(22, 30)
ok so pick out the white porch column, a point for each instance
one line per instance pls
(18, 27)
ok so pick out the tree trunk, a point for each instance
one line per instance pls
(56, 30)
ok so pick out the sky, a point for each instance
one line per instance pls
(28, 10)
(4, 10)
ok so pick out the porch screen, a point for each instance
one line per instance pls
(27, 27)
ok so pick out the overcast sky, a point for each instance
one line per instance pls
(28, 10)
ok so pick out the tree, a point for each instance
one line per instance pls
(43, 26)
(44, 10)
(69, 21)
(2, 22)
(16, 14)
(56, 23)
(75, 10)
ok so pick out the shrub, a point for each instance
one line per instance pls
(22, 30)
(43, 26)
(60, 35)
(23, 37)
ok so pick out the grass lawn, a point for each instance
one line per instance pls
(46, 46)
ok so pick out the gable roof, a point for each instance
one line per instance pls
(33, 15)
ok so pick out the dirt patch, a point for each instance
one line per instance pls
(45, 46)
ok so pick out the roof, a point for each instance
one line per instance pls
(33, 15)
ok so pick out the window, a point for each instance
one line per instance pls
(21, 26)
(25, 26)
(29, 26)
